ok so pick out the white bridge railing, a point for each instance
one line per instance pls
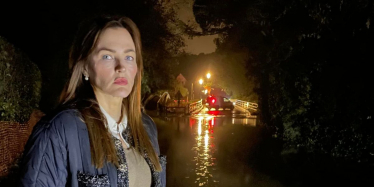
(245, 104)
(195, 106)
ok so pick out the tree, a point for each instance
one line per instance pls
(20, 84)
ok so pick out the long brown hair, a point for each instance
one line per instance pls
(79, 94)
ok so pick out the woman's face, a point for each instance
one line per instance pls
(112, 65)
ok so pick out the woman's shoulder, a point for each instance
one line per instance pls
(55, 127)
(59, 120)
(60, 115)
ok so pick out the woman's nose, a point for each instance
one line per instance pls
(120, 66)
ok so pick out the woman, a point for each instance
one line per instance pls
(99, 136)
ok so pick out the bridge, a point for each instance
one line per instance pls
(167, 105)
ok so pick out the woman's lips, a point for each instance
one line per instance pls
(121, 81)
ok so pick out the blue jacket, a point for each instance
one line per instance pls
(59, 149)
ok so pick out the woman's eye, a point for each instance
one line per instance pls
(129, 58)
(107, 57)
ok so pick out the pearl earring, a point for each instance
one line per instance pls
(86, 77)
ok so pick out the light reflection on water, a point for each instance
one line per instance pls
(204, 148)
(199, 127)
(193, 157)
(244, 121)
(204, 159)
(237, 118)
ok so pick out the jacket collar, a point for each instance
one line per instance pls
(112, 124)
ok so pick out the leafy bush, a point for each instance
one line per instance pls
(20, 84)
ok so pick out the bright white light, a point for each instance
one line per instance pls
(206, 138)
(199, 128)
(208, 75)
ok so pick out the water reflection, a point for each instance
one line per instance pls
(204, 159)
(206, 138)
(199, 127)
(244, 121)
(200, 148)
(202, 126)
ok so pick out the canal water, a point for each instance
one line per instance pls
(215, 148)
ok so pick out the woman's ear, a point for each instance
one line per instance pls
(85, 70)
(85, 73)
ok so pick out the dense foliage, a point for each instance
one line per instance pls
(20, 84)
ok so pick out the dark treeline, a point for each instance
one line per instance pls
(45, 30)
(310, 62)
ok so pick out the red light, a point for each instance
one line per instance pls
(213, 100)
